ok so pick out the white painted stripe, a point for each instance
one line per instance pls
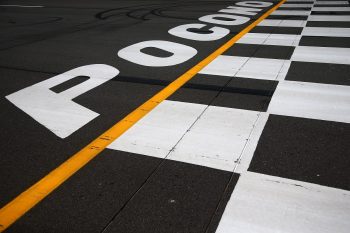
(311, 100)
(21, 6)
(321, 54)
(333, 18)
(331, 3)
(296, 5)
(217, 139)
(252, 143)
(225, 66)
(244, 67)
(270, 39)
(262, 203)
(331, 9)
(159, 131)
(326, 31)
(283, 23)
(290, 12)
(263, 68)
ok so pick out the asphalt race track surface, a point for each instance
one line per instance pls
(256, 140)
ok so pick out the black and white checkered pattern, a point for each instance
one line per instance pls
(277, 120)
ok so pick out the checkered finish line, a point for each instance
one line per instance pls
(295, 60)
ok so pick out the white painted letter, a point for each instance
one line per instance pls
(180, 53)
(241, 10)
(57, 111)
(224, 19)
(254, 4)
(182, 31)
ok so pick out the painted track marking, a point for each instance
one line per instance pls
(33, 195)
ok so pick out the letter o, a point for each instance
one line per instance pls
(254, 4)
(233, 19)
(182, 32)
(180, 53)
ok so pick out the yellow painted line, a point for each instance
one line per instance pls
(33, 195)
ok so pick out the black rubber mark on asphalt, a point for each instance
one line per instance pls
(121, 11)
(244, 89)
(80, 27)
(261, 91)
